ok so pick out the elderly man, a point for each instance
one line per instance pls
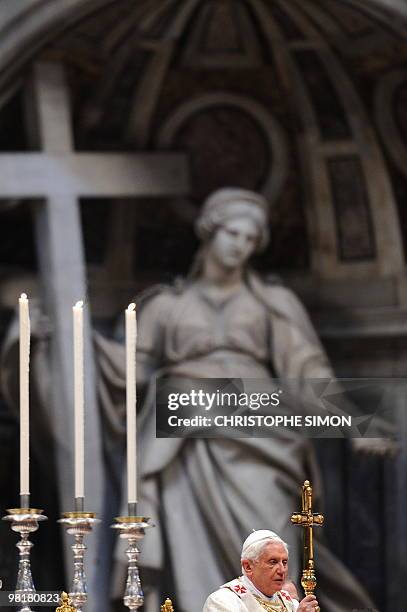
(265, 566)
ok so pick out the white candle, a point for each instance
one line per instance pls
(79, 400)
(24, 395)
(131, 338)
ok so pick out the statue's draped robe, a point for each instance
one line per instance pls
(206, 495)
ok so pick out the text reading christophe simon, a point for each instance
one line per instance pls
(203, 412)
(261, 420)
(253, 401)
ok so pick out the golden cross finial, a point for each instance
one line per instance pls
(65, 604)
(308, 519)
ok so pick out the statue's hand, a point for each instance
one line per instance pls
(375, 446)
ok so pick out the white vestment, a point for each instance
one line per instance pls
(239, 595)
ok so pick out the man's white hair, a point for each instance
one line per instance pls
(254, 544)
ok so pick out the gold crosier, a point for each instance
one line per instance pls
(308, 519)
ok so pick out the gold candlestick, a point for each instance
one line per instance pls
(308, 519)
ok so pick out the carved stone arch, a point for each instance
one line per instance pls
(385, 94)
(269, 125)
(354, 141)
(237, 47)
(26, 26)
(146, 95)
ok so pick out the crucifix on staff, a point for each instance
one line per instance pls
(308, 519)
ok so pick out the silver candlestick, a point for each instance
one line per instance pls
(132, 528)
(24, 521)
(79, 524)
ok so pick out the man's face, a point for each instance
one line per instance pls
(269, 571)
(234, 242)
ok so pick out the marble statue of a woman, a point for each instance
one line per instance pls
(206, 495)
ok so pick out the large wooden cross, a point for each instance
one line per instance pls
(59, 176)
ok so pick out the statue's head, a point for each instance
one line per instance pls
(233, 225)
(230, 203)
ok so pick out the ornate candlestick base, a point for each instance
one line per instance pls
(132, 528)
(24, 521)
(79, 524)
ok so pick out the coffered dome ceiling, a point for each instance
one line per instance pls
(304, 101)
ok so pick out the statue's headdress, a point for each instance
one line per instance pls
(229, 203)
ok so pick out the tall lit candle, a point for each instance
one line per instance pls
(131, 338)
(79, 401)
(24, 320)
